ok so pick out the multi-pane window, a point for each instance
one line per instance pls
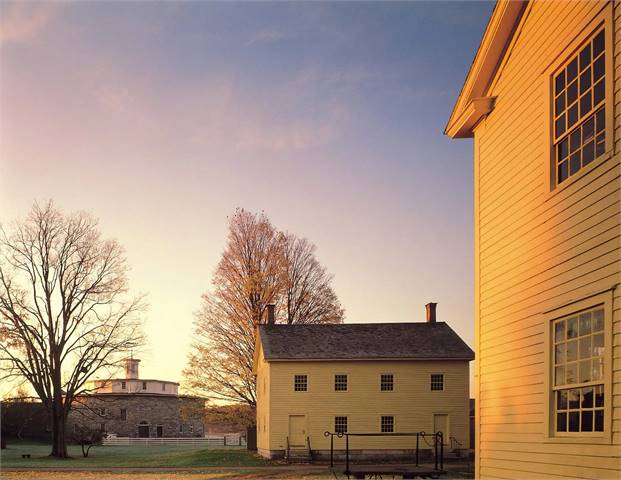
(437, 382)
(144, 385)
(579, 372)
(387, 382)
(340, 424)
(123, 385)
(300, 383)
(579, 109)
(123, 414)
(387, 424)
(340, 383)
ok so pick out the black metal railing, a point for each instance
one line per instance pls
(455, 444)
(437, 445)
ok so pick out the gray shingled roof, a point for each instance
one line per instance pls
(363, 340)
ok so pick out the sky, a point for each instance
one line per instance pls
(160, 118)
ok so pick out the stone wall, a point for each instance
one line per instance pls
(176, 416)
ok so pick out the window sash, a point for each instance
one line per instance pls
(387, 382)
(300, 383)
(575, 147)
(387, 424)
(340, 383)
(437, 382)
(340, 424)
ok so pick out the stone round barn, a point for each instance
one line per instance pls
(138, 407)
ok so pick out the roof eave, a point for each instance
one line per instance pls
(496, 39)
(366, 359)
(476, 110)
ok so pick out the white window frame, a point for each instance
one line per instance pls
(431, 382)
(346, 382)
(394, 423)
(295, 383)
(603, 19)
(392, 382)
(346, 423)
(602, 298)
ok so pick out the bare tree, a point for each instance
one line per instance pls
(65, 312)
(254, 271)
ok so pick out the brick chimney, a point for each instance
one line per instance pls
(270, 314)
(431, 312)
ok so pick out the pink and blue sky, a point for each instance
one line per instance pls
(161, 118)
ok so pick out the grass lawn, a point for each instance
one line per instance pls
(116, 463)
(130, 456)
(237, 474)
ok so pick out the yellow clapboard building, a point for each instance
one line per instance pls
(360, 378)
(542, 101)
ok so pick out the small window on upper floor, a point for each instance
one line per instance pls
(340, 383)
(144, 385)
(387, 382)
(123, 414)
(300, 383)
(579, 109)
(123, 385)
(437, 382)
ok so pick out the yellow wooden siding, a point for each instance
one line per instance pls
(536, 251)
(263, 401)
(412, 402)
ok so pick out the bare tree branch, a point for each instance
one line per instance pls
(65, 312)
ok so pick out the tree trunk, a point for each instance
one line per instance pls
(59, 442)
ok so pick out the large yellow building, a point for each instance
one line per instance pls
(542, 101)
(362, 378)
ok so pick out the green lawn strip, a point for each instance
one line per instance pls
(129, 456)
(236, 474)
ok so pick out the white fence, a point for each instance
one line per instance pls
(191, 441)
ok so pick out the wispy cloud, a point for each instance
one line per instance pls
(266, 36)
(229, 120)
(20, 22)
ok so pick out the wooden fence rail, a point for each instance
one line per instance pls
(196, 441)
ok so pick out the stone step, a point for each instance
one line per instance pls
(299, 456)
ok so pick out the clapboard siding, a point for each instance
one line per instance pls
(538, 250)
(412, 402)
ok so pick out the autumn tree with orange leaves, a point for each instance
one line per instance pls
(260, 266)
